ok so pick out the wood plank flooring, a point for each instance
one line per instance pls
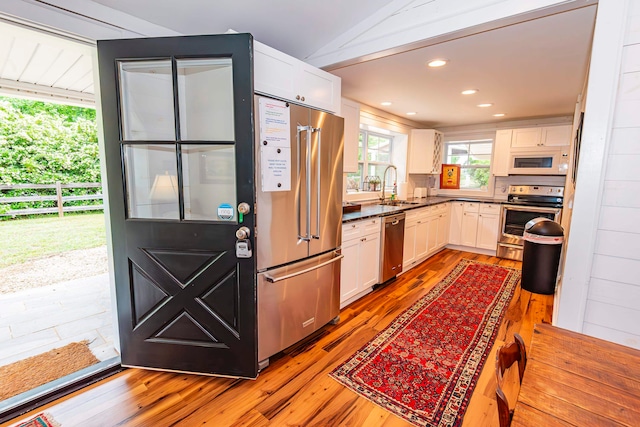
(295, 390)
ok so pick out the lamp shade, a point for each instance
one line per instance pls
(164, 189)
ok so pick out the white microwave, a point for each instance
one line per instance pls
(539, 162)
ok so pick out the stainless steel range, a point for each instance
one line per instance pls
(524, 203)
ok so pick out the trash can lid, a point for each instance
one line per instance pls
(543, 231)
(543, 227)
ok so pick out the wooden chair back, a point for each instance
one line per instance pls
(506, 356)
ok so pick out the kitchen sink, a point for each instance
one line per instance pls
(397, 203)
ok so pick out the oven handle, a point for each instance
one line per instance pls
(539, 209)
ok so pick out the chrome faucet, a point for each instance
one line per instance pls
(384, 179)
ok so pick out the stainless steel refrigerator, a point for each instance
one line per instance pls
(298, 228)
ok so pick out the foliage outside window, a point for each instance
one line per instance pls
(43, 143)
(474, 158)
(374, 155)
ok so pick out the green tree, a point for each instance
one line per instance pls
(42, 143)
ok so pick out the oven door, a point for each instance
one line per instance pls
(512, 222)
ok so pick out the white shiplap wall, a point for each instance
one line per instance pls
(612, 308)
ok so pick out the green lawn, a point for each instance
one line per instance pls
(25, 239)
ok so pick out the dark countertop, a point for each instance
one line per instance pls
(374, 209)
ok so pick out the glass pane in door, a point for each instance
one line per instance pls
(151, 181)
(209, 180)
(205, 99)
(146, 100)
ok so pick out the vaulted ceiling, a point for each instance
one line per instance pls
(526, 66)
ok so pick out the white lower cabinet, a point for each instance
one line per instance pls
(488, 225)
(361, 262)
(474, 224)
(425, 232)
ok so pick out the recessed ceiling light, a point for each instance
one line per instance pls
(484, 105)
(411, 113)
(469, 91)
(437, 63)
(499, 115)
(385, 103)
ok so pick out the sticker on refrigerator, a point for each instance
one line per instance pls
(275, 168)
(274, 123)
(275, 145)
(225, 211)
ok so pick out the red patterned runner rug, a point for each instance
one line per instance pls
(424, 366)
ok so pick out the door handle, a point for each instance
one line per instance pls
(272, 279)
(305, 238)
(318, 165)
(396, 222)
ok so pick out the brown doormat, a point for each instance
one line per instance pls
(34, 371)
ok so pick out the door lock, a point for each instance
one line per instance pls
(243, 233)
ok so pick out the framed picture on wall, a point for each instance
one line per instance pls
(450, 177)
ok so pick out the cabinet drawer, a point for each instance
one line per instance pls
(351, 230)
(489, 208)
(371, 226)
(471, 207)
(441, 207)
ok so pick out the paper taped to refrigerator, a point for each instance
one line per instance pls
(275, 165)
(274, 123)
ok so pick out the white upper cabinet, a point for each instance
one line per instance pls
(425, 152)
(350, 111)
(282, 76)
(501, 149)
(545, 136)
(556, 136)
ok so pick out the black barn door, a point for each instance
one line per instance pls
(178, 127)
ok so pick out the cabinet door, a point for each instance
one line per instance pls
(409, 247)
(369, 260)
(556, 136)
(501, 148)
(455, 229)
(349, 270)
(274, 72)
(317, 88)
(421, 151)
(422, 234)
(432, 238)
(438, 149)
(350, 111)
(487, 231)
(526, 137)
(469, 228)
(443, 230)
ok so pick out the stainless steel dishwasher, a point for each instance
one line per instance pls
(392, 244)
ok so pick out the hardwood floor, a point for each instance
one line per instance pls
(296, 389)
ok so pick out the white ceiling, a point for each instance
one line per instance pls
(296, 27)
(531, 69)
(44, 66)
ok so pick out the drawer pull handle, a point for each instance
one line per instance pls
(272, 279)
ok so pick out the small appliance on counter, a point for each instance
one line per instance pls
(419, 192)
(350, 207)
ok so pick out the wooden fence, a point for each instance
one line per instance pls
(58, 198)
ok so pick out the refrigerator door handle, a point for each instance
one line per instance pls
(318, 165)
(306, 237)
(308, 174)
(272, 279)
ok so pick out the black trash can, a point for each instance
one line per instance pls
(543, 241)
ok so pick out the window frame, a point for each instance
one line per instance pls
(363, 162)
(469, 141)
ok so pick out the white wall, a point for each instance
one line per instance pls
(600, 294)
